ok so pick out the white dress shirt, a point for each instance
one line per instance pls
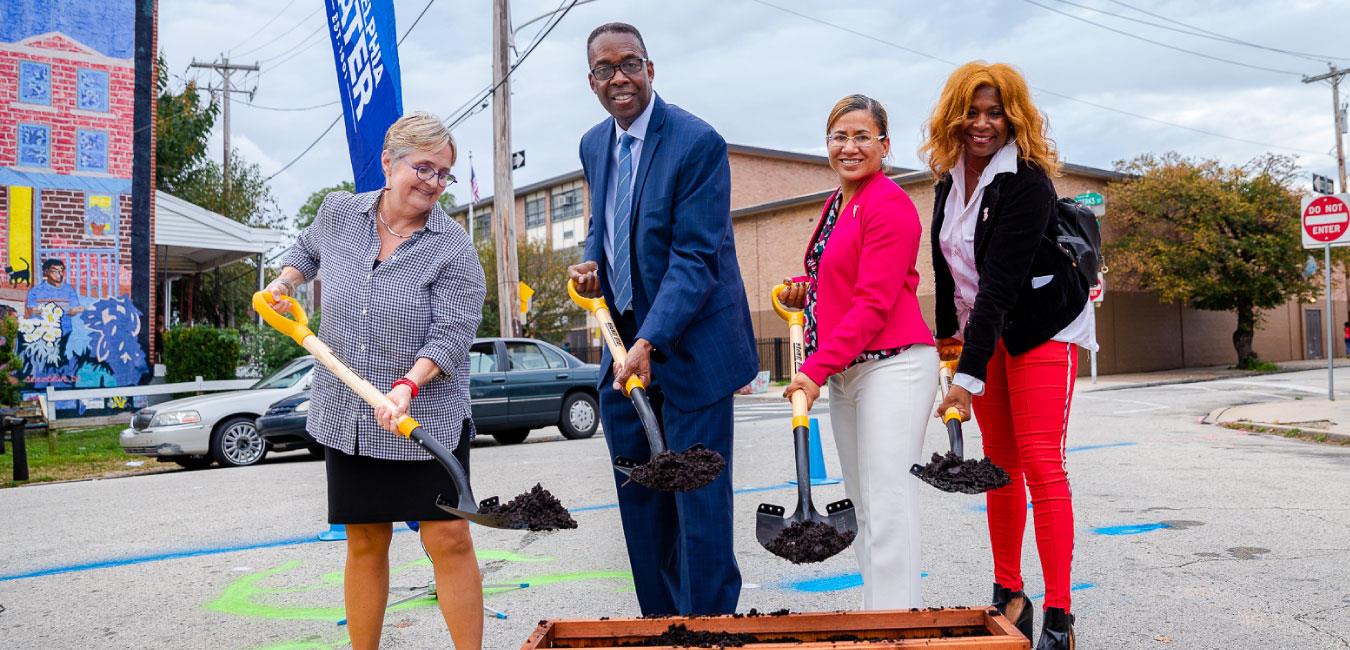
(957, 241)
(638, 131)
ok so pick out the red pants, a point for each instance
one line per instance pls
(1023, 416)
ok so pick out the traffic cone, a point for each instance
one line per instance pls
(817, 458)
(335, 533)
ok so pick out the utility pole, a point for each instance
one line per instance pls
(1334, 76)
(503, 193)
(225, 68)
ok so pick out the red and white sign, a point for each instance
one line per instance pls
(1096, 292)
(1326, 220)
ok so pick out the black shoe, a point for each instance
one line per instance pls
(1016, 606)
(1056, 630)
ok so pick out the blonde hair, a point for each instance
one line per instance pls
(421, 131)
(1029, 127)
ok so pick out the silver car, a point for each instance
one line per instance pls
(220, 427)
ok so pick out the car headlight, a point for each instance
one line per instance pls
(172, 418)
(302, 407)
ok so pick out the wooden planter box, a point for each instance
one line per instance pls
(963, 628)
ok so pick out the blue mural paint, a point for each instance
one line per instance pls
(1130, 529)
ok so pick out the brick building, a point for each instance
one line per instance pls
(776, 201)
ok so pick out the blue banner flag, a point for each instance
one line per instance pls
(365, 49)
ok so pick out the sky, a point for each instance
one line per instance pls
(766, 72)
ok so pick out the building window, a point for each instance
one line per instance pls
(482, 226)
(567, 202)
(92, 87)
(35, 83)
(35, 145)
(91, 151)
(534, 210)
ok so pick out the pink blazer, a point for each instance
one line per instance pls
(867, 284)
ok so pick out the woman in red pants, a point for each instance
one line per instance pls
(1009, 300)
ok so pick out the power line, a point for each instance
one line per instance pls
(279, 36)
(306, 40)
(1162, 44)
(1238, 41)
(339, 117)
(261, 29)
(1035, 88)
(290, 58)
(284, 109)
(1194, 31)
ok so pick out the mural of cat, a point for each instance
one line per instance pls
(16, 276)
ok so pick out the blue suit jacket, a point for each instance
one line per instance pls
(688, 296)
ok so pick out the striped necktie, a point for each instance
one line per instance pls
(622, 282)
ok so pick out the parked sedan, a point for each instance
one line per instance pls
(283, 425)
(521, 384)
(220, 427)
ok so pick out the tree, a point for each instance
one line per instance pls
(1210, 236)
(552, 314)
(182, 130)
(249, 200)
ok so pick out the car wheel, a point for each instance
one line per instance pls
(316, 450)
(580, 416)
(194, 462)
(236, 443)
(511, 436)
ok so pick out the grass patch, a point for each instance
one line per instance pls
(80, 454)
(1257, 365)
(1289, 432)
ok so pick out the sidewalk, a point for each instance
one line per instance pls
(1193, 375)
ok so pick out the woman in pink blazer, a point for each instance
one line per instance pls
(866, 336)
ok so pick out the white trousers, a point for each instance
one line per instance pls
(879, 411)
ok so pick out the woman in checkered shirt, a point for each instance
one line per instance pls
(402, 297)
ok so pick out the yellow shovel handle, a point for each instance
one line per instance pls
(297, 329)
(792, 316)
(607, 328)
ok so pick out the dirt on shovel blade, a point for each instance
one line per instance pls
(971, 476)
(677, 635)
(809, 541)
(537, 509)
(687, 470)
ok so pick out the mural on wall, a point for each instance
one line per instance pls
(67, 95)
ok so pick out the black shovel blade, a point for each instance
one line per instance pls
(965, 477)
(466, 510)
(625, 466)
(687, 477)
(842, 517)
(770, 524)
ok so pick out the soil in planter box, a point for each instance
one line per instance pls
(809, 541)
(537, 508)
(972, 476)
(682, 637)
(687, 470)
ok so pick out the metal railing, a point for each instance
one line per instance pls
(197, 386)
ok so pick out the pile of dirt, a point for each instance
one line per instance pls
(680, 636)
(687, 470)
(537, 509)
(809, 541)
(948, 473)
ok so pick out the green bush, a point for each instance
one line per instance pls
(207, 351)
(267, 350)
(9, 361)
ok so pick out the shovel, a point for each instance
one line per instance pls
(298, 329)
(770, 522)
(953, 473)
(637, 392)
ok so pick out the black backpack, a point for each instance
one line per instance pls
(1078, 236)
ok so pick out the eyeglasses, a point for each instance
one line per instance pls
(428, 173)
(862, 140)
(630, 67)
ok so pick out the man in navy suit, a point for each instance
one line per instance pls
(660, 251)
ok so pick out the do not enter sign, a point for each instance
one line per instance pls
(1326, 220)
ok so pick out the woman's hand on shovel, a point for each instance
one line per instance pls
(388, 418)
(808, 386)
(957, 398)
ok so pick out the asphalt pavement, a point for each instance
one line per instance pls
(1189, 535)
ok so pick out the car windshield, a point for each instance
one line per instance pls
(287, 376)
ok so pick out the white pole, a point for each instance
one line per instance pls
(1331, 356)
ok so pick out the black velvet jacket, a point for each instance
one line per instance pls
(1013, 244)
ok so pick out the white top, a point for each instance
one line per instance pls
(957, 242)
(638, 131)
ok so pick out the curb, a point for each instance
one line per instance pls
(1237, 374)
(1262, 427)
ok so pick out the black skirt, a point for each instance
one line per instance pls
(365, 490)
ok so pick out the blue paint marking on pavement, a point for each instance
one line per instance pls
(1101, 446)
(1130, 529)
(748, 490)
(982, 508)
(838, 582)
(142, 559)
(1076, 587)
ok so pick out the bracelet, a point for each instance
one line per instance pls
(404, 381)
